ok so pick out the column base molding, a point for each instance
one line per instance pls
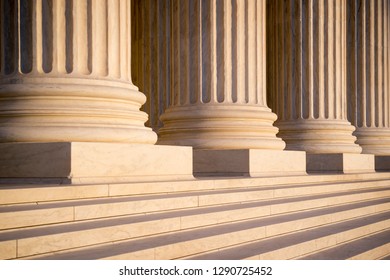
(84, 163)
(340, 163)
(248, 162)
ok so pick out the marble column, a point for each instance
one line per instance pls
(69, 112)
(65, 73)
(368, 74)
(217, 78)
(307, 74)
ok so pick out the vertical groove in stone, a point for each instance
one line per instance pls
(123, 39)
(45, 27)
(9, 43)
(69, 41)
(310, 37)
(218, 51)
(80, 37)
(308, 53)
(99, 38)
(59, 46)
(227, 52)
(113, 51)
(251, 71)
(59, 37)
(25, 29)
(368, 74)
(368, 67)
(195, 51)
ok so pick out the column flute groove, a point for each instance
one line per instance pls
(217, 83)
(368, 74)
(65, 81)
(309, 36)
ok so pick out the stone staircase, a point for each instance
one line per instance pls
(339, 216)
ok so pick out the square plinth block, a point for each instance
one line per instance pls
(252, 162)
(382, 163)
(76, 162)
(340, 163)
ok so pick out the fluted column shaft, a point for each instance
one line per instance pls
(307, 74)
(368, 74)
(216, 76)
(65, 73)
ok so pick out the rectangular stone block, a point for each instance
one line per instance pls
(340, 163)
(77, 162)
(382, 163)
(252, 162)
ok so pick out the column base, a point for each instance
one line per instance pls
(382, 163)
(80, 162)
(340, 163)
(252, 162)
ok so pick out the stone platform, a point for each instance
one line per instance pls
(78, 162)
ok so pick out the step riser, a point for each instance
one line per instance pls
(78, 213)
(30, 194)
(195, 246)
(374, 254)
(296, 251)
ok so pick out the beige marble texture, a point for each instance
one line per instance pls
(79, 162)
(252, 162)
(345, 163)
(66, 76)
(368, 74)
(202, 65)
(306, 73)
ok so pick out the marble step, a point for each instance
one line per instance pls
(375, 246)
(307, 242)
(17, 216)
(39, 240)
(199, 240)
(13, 194)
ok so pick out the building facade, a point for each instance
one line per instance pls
(122, 98)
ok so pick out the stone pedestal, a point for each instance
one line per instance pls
(340, 163)
(79, 163)
(249, 162)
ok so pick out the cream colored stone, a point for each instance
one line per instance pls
(199, 245)
(35, 217)
(78, 162)
(346, 163)
(306, 74)
(220, 198)
(24, 194)
(368, 74)
(202, 65)
(107, 209)
(8, 249)
(220, 217)
(251, 162)
(76, 239)
(72, 83)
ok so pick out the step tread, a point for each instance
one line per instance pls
(256, 248)
(105, 193)
(116, 221)
(113, 200)
(104, 251)
(352, 248)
